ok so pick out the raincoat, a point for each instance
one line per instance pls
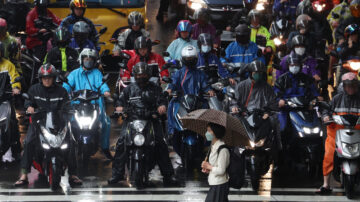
(213, 60)
(176, 47)
(9, 68)
(70, 20)
(80, 79)
(186, 81)
(309, 66)
(87, 44)
(288, 8)
(208, 28)
(263, 32)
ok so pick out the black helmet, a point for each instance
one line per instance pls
(254, 14)
(242, 30)
(257, 66)
(41, 2)
(135, 18)
(81, 30)
(298, 40)
(47, 70)
(142, 42)
(205, 39)
(351, 29)
(62, 36)
(302, 22)
(202, 14)
(2, 50)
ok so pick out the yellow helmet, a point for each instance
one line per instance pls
(77, 4)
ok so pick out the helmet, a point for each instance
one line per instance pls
(349, 78)
(257, 66)
(81, 30)
(142, 42)
(298, 40)
(254, 14)
(2, 50)
(293, 59)
(3, 26)
(62, 36)
(135, 18)
(141, 68)
(205, 42)
(41, 2)
(3, 22)
(189, 56)
(90, 53)
(302, 22)
(355, 8)
(202, 14)
(77, 4)
(184, 26)
(47, 70)
(242, 30)
(351, 29)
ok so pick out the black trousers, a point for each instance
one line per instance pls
(218, 193)
(31, 148)
(161, 153)
(15, 134)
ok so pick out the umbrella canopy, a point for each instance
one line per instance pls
(235, 131)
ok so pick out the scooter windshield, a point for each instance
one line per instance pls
(54, 122)
(349, 120)
(86, 95)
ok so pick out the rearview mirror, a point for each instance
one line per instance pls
(156, 42)
(103, 30)
(62, 78)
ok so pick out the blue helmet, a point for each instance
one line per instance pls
(184, 26)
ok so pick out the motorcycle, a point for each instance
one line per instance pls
(86, 126)
(304, 144)
(258, 155)
(55, 137)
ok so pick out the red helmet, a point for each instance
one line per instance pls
(47, 70)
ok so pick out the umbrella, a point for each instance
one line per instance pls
(235, 131)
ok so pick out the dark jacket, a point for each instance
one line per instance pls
(5, 86)
(141, 102)
(339, 32)
(70, 20)
(54, 57)
(262, 95)
(346, 53)
(49, 99)
(345, 104)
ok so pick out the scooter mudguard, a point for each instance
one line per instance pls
(190, 140)
(298, 120)
(138, 154)
(350, 167)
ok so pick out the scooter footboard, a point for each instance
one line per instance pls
(350, 167)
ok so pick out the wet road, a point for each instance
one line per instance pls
(291, 186)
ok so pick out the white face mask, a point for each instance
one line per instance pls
(300, 51)
(294, 69)
(205, 48)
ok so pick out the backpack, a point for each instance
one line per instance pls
(236, 168)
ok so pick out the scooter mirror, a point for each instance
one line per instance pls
(62, 78)
(103, 30)
(25, 96)
(156, 42)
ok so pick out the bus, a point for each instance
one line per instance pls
(103, 13)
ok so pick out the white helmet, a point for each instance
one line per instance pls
(189, 56)
(90, 53)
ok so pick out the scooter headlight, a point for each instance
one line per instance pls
(64, 146)
(260, 6)
(259, 143)
(307, 130)
(196, 4)
(3, 119)
(277, 41)
(45, 146)
(351, 149)
(86, 122)
(139, 140)
(139, 126)
(316, 130)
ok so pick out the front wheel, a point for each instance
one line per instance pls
(349, 183)
(139, 175)
(54, 177)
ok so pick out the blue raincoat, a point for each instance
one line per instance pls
(80, 79)
(213, 60)
(88, 44)
(176, 47)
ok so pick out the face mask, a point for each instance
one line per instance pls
(89, 64)
(294, 69)
(300, 51)
(259, 77)
(209, 136)
(243, 40)
(205, 48)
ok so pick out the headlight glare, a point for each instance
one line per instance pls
(351, 149)
(139, 140)
(307, 130)
(45, 146)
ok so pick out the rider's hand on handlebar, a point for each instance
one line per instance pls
(119, 109)
(211, 93)
(235, 110)
(320, 98)
(265, 116)
(326, 119)
(232, 81)
(169, 91)
(162, 109)
(30, 110)
(281, 103)
(107, 94)
(16, 91)
(42, 30)
(317, 77)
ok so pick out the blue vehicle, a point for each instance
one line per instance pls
(304, 143)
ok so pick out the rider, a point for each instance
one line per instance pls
(293, 84)
(80, 38)
(351, 48)
(184, 30)
(299, 50)
(78, 8)
(202, 18)
(48, 96)
(345, 102)
(38, 47)
(286, 7)
(63, 57)
(208, 57)
(150, 98)
(187, 81)
(242, 50)
(143, 48)
(338, 14)
(127, 38)
(11, 45)
(88, 76)
(354, 19)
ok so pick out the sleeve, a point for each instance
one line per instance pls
(339, 32)
(71, 81)
(314, 90)
(227, 53)
(123, 98)
(271, 99)
(278, 88)
(130, 65)
(277, 6)
(30, 26)
(74, 62)
(237, 101)
(65, 104)
(204, 84)
(171, 50)
(121, 41)
(221, 69)
(161, 63)
(30, 102)
(104, 88)
(175, 80)
(93, 34)
(328, 32)
(161, 99)
(283, 67)
(13, 75)
(288, 43)
(269, 42)
(223, 162)
(313, 67)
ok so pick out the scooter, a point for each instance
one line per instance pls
(304, 144)
(86, 125)
(55, 137)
